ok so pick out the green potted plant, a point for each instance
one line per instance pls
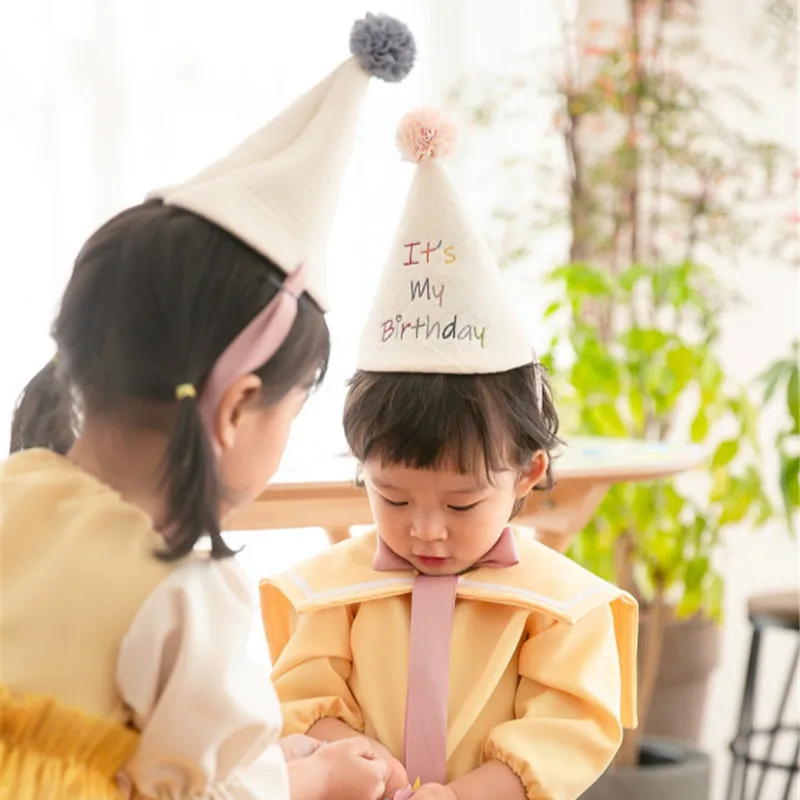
(656, 540)
(781, 383)
(658, 187)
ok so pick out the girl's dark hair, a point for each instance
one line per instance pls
(155, 297)
(490, 422)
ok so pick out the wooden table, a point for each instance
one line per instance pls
(323, 494)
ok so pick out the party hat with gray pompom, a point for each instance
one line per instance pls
(277, 191)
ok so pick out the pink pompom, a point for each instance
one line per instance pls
(425, 134)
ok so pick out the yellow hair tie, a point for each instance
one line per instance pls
(185, 390)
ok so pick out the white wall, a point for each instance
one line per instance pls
(110, 99)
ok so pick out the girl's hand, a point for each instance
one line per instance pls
(332, 730)
(298, 746)
(348, 769)
(397, 778)
(434, 791)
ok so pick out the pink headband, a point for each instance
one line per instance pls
(254, 346)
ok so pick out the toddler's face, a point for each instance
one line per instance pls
(440, 520)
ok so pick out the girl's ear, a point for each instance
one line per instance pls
(234, 402)
(532, 474)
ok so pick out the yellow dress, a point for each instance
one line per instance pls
(542, 666)
(122, 676)
(48, 752)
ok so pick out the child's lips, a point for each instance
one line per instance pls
(432, 561)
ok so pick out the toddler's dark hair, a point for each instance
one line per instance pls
(491, 422)
(156, 295)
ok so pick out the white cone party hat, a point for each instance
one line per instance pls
(441, 306)
(277, 191)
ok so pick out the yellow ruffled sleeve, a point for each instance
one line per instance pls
(311, 673)
(572, 701)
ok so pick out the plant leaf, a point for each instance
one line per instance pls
(607, 420)
(699, 429)
(790, 474)
(773, 375)
(725, 453)
(793, 396)
(715, 594)
(554, 307)
(736, 505)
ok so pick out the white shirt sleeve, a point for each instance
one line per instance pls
(208, 714)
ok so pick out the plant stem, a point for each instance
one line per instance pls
(653, 251)
(631, 113)
(699, 208)
(651, 662)
(659, 612)
(578, 250)
(624, 557)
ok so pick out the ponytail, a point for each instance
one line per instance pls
(192, 486)
(44, 415)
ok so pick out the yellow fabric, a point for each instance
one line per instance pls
(76, 566)
(48, 752)
(543, 661)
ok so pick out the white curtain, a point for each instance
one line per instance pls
(103, 100)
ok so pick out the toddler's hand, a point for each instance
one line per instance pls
(298, 746)
(350, 769)
(397, 778)
(434, 791)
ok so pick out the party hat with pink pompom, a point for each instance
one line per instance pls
(441, 306)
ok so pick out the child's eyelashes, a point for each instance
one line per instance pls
(464, 509)
(394, 503)
(404, 503)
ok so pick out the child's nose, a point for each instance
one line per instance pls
(429, 529)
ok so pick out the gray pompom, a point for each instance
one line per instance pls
(383, 46)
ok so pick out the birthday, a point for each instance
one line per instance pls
(425, 328)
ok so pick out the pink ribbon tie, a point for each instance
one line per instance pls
(432, 610)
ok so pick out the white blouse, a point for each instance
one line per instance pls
(208, 714)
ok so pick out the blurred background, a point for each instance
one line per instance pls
(634, 165)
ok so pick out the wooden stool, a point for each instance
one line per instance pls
(765, 611)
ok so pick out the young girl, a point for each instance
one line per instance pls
(189, 336)
(479, 661)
